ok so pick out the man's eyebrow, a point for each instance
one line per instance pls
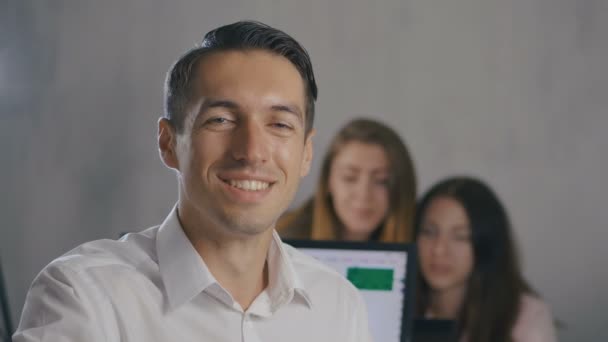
(213, 103)
(289, 109)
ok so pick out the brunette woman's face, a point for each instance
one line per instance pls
(358, 185)
(444, 245)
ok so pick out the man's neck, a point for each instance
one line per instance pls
(238, 263)
(446, 304)
(239, 266)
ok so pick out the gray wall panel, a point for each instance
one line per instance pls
(515, 92)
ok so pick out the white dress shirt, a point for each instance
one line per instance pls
(154, 286)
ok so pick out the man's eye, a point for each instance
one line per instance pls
(218, 120)
(219, 123)
(281, 125)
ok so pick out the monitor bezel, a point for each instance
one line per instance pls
(411, 270)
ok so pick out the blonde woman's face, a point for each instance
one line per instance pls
(444, 245)
(358, 186)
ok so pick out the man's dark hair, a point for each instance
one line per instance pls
(242, 35)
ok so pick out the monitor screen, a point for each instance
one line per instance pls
(382, 272)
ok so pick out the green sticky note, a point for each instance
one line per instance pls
(378, 279)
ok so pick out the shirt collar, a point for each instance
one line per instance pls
(185, 274)
(284, 283)
(183, 271)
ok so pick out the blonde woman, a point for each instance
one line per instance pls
(366, 191)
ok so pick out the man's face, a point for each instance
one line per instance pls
(243, 149)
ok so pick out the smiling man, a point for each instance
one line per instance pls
(237, 130)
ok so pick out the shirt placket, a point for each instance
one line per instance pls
(248, 330)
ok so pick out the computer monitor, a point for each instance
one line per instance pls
(384, 273)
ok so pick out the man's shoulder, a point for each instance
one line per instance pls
(333, 297)
(131, 251)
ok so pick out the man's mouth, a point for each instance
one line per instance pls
(249, 185)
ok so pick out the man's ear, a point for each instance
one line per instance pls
(307, 153)
(167, 144)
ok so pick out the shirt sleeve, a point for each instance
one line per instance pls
(60, 307)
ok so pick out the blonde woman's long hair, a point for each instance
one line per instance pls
(317, 216)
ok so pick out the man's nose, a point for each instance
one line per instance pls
(250, 144)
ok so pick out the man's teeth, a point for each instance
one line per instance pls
(249, 185)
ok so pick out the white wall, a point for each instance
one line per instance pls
(513, 91)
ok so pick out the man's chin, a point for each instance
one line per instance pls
(245, 226)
